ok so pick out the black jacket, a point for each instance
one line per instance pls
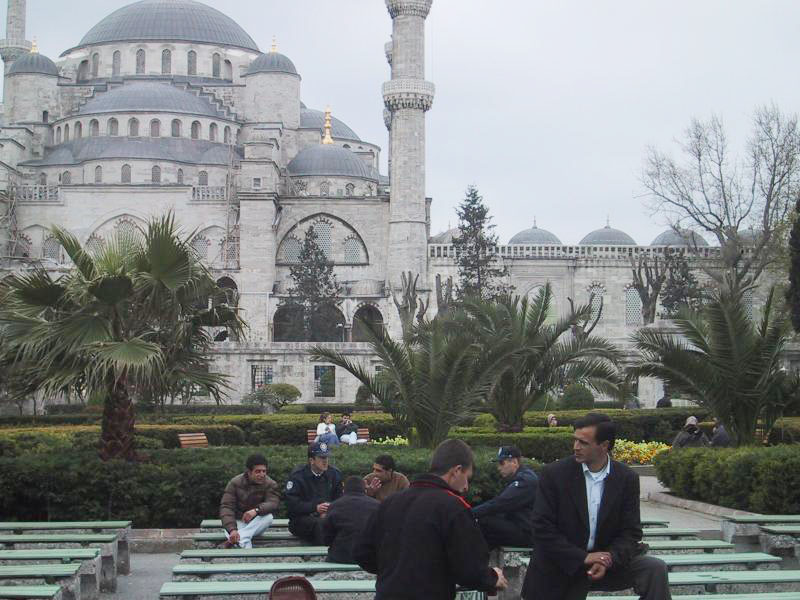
(690, 437)
(720, 439)
(304, 490)
(342, 429)
(561, 526)
(515, 502)
(344, 522)
(422, 542)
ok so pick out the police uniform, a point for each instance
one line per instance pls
(305, 490)
(507, 519)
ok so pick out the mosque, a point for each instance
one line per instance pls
(170, 105)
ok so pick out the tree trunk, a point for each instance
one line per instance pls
(117, 436)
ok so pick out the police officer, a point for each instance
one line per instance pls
(309, 492)
(507, 519)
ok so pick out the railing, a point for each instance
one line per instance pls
(514, 251)
(36, 193)
(363, 287)
(209, 193)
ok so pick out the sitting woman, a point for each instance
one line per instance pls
(326, 430)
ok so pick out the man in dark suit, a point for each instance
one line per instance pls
(587, 530)
(346, 519)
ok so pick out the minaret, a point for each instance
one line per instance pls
(407, 97)
(15, 43)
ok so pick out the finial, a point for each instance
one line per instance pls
(327, 139)
(534, 223)
(34, 47)
(608, 221)
(274, 47)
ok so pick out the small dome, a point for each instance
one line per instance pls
(445, 237)
(315, 119)
(150, 96)
(33, 63)
(168, 21)
(535, 236)
(671, 238)
(607, 236)
(330, 160)
(271, 62)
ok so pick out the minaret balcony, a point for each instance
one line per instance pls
(408, 93)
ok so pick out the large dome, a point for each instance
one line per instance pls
(150, 96)
(33, 63)
(315, 119)
(330, 160)
(535, 236)
(607, 236)
(169, 21)
(445, 237)
(671, 238)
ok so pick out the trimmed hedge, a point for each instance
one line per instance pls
(177, 488)
(761, 480)
(170, 409)
(540, 443)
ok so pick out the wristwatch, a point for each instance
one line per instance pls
(258, 511)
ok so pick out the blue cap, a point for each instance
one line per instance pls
(506, 452)
(318, 449)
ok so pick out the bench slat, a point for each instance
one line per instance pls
(286, 567)
(193, 440)
(257, 552)
(678, 560)
(197, 588)
(220, 537)
(29, 591)
(31, 525)
(51, 553)
(38, 571)
(662, 545)
(757, 519)
(668, 532)
(783, 529)
(752, 596)
(212, 523)
(55, 538)
(733, 577)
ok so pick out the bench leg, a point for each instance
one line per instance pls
(90, 586)
(72, 590)
(123, 558)
(108, 574)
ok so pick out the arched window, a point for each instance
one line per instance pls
(350, 189)
(166, 62)
(180, 176)
(287, 324)
(747, 303)
(112, 127)
(192, 60)
(23, 246)
(196, 130)
(78, 130)
(95, 64)
(324, 231)
(66, 132)
(66, 178)
(200, 245)
(366, 317)
(58, 135)
(215, 65)
(176, 128)
(95, 244)
(212, 132)
(290, 251)
(324, 188)
(51, 249)
(83, 70)
(140, 62)
(327, 324)
(202, 178)
(116, 63)
(133, 127)
(155, 174)
(126, 229)
(126, 173)
(227, 135)
(42, 178)
(228, 70)
(45, 116)
(155, 128)
(94, 128)
(98, 174)
(596, 292)
(354, 252)
(633, 307)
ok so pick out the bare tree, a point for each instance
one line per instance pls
(648, 278)
(444, 295)
(583, 327)
(742, 202)
(408, 304)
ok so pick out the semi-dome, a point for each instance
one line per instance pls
(672, 238)
(168, 21)
(446, 237)
(315, 119)
(535, 236)
(330, 160)
(607, 236)
(150, 96)
(33, 63)
(271, 62)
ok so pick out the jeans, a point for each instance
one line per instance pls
(647, 575)
(328, 438)
(247, 531)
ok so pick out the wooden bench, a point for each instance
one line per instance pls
(64, 576)
(87, 559)
(749, 559)
(106, 542)
(193, 440)
(258, 554)
(260, 588)
(706, 546)
(235, 571)
(746, 528)
(277, 538)
(362, 432)
(121, 528)
(672, 533)
(217, 524)
(49, 592)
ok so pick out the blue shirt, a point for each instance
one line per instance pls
(595, 484)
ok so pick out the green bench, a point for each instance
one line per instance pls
(235, 570)
(672, 533)
(757, 596)
(282, 538)
(192, 589)
(121, 528)
(707, 546)
(258, 554)
(782, 529)
(745, 528)
(217, 524)
(50, 592)
(64, 576)
(106, 542)
(88, 560)
(749, 559)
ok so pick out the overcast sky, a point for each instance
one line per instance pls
(546, 105)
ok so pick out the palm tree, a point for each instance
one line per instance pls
(429, 381)
(546, 357)
(128, 321)
(723, 360)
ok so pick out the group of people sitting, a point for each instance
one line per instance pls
(691, 436)
(422, 539)
(347, 432)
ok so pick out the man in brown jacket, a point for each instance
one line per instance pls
(384, 480)
(247, 504)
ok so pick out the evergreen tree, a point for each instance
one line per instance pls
(681, 287)
(793, 293)
(314, 296)
(479, 274)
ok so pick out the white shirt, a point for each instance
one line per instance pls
(325, 428)
(595, 484)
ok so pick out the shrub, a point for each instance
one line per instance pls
(541, 443)
(168, 409)
(484, 421)
(761, 480)
(576, 396)
(634, 453)
(272, 395)
(178, 488)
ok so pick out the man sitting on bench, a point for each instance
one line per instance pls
(247, 504)
(309, 492)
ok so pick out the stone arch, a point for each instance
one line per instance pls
(370, 314)
(23, 247)
(83, 71)
(354, 251)
(112, 127)
(228, 294)
(327, 324)
(287, 324)
(338, 230)
(94, 244)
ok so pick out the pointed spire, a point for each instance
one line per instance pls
(534, 223)
(274, 47)
(327, 139)
(608, 221)
(34, 47)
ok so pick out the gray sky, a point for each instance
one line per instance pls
(546, 105)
